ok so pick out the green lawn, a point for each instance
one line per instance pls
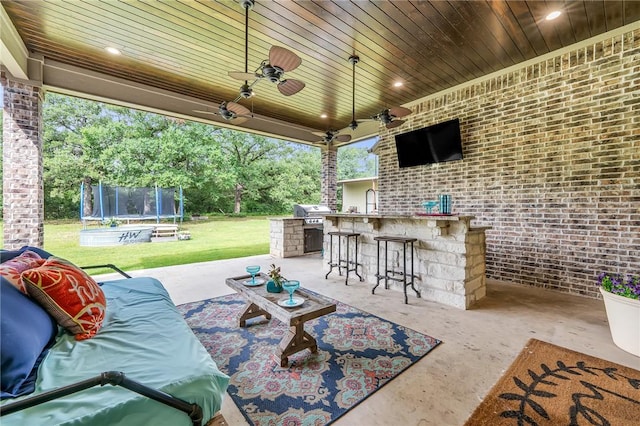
(214, 239)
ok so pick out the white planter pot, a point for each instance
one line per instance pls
(624, 321)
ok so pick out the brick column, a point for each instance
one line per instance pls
(329, 178)
(22, 170)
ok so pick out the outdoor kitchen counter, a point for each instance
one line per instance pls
(377, 218)
(449, 254)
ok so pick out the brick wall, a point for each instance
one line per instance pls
(22, 170)
(552, 164)
(329, 178)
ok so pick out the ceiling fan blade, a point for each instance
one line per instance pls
(239, 120)
(283, 58)
(394, 124)
(321, 134)
(290, 87)
(237, 109)
(205, 112)
(399, 111)
(342, 138)
(238, 75)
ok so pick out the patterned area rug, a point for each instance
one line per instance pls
(357, 354)
(551, 385)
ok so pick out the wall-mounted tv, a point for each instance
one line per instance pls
(434, 144)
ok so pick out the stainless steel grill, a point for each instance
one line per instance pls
(311, 213)
(313, 224)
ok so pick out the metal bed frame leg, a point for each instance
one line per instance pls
(114, 378)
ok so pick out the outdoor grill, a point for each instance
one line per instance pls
(313, 224)
(311, 213)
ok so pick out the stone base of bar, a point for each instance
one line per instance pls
(449, 256)
(286, 237)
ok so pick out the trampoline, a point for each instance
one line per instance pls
(126, 204)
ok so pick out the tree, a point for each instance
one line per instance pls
(76, 133)
(260, 164)
(295, 179)
(218, 169)
(88, 142)
(355, 163)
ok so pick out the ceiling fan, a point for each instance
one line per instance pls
(332, 135)
(280, 60)
(388, 116)
(230, 111)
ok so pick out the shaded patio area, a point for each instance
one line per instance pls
(478, 344)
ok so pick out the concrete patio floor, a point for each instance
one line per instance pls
(478, 344)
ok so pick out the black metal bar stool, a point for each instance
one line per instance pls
(343, 263)
(389, 274)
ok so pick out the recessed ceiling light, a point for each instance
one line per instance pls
(112, 50)
(553, 15)
(323, 115)
(397, 84)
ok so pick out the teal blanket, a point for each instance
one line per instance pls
(143, 336)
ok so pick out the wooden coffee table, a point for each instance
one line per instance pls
(260, 302)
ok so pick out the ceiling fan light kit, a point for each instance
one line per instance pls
(272, 74)
(246, 91)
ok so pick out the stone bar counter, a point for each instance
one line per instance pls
(449, 255)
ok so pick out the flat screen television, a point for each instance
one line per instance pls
(434, 144)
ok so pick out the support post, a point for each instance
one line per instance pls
(22, 169)
(329, 178)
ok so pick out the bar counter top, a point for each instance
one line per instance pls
(425, 216)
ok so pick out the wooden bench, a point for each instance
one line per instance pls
(165, 231)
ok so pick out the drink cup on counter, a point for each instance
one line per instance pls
(445, 203)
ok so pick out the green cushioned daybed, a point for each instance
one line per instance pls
(143, 336)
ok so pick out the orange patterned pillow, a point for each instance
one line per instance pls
(11, 269)
(70, 296)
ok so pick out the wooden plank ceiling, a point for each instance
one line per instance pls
(188, 46)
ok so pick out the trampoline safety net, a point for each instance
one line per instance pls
(132, 203)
